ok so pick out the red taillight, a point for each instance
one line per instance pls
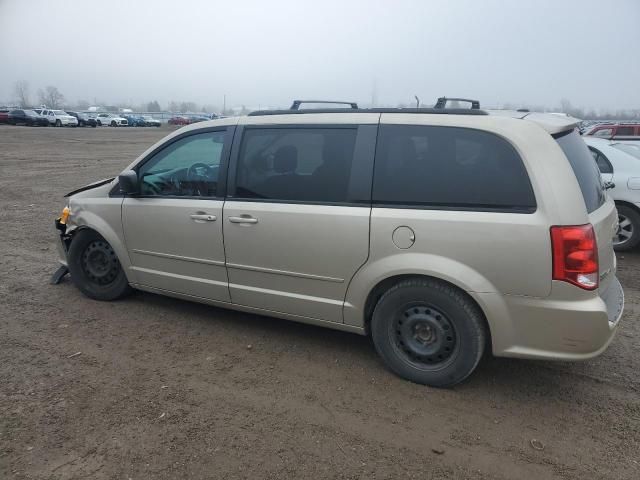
(575, 255)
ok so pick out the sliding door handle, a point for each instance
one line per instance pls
(203, 217)
(247, 219)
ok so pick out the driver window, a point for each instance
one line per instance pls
(187, 168)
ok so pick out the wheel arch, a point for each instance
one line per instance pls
(382, 286)
(90, 221)
(628, 204)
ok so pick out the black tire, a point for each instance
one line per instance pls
(99, 123)
(114, 124)
(428, 332)
(628, 235)
(58, 123)
(95, 268)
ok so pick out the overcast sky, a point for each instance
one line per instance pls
(268, 52)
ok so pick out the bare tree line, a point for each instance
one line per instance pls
(53, 98)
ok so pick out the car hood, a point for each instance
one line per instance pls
(97, 184)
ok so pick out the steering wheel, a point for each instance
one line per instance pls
(198, 179)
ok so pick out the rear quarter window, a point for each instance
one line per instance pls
(584, 168)
(449, 168)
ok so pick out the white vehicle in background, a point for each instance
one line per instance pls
(111, 120)
(59, 118)
(619, 164)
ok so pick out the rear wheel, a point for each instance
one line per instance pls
(95, 268)
(627, 236)
(428, 332)
(58, 123)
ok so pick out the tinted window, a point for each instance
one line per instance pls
(584, 167)
(296, 164)
(624, 131)
(187, 167)
(449, 167)
(603, 162)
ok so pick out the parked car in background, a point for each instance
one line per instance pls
(27, 117)
(197, 118)
(111, 120)
(59, 118)
(619, 131)
(179, 120)
(150, 121)
(135, 121)
(440, 233)
(4, 115)
(620, 170)
(84, 120)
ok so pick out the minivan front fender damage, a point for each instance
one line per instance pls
(403, 264)
(106, 222)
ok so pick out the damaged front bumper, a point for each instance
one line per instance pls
(62, 247)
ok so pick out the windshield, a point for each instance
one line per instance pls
(30, 112)
(633, 150)
(585, 169)
(59, 112)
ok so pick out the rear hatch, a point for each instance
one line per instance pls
(601, 209)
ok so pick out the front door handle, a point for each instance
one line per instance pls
(246, 219)
(203, 217)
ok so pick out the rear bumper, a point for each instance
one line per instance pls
(568, 325)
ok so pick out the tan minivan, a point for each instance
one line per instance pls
(439, 232)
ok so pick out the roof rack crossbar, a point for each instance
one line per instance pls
(296, 103)
(442, 102)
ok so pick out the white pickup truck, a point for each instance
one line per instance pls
(59, 118)
(111, 120)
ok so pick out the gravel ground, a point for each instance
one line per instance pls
(166, 389)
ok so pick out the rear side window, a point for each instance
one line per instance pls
(624, 131)
(585, 169)
(603, 162)
(449, 167)
(296, 164)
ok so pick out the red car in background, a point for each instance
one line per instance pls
(179, 120)
(619, 131)
(4, 115)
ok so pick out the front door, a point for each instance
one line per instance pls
(173, 229)
(296, 220)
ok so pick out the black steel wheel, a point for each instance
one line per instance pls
(424, 336)
(95, 268)
(100, 263)
(429, 331)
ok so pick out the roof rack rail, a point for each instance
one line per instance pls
(442, 102)
(296, 103)
(437, 111)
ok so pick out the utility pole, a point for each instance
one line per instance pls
(224, 104)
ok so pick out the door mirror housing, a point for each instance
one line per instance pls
(128, 181)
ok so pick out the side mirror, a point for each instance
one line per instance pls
(128, 181)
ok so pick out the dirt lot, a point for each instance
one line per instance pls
(165, 389)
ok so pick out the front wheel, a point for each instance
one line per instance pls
(99, 123)
(627, 236)
(114, 124)
(58, 123)
(95, 268)
(428, 332)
